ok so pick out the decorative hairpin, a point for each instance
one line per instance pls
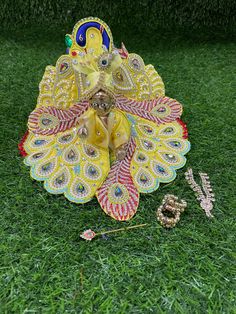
(90, 234)
(206, 200)
(170, 205)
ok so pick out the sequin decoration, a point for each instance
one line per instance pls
(174, 144)
(163, 173)
(104, 61)
(140, 157)
(92, 172)
(39, 142)
(135, 62)
(159, 169)
(118, 194)
(144, 180)
(161, 110)
(146, 130)
(48, 121)
(66, 138)
(170, 158)
(37, 156)
(44, 169)
(122, 79)
(68, 41)
(91, 151)
(71, 155)
(167, 131)
(64, 67)
(59, 181)
(148, 145)
(79, 191)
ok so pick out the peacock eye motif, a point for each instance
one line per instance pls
(63, 67)
(148, 145)
(92, 172)
(118, 193)
(66, 138)
(161, 109)
(90, 151)
(38, 155)
(170, 158)
(136, 62)
(104, 61)
(46, 121)
(79, 189)
(168, 131)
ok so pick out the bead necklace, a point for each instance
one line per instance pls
(206, 199)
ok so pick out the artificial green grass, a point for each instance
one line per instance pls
(45, 266)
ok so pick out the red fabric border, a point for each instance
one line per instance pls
(184, 126)
(21, 144)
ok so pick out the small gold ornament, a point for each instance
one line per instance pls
(170, 205)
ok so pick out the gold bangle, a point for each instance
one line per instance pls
(170, 204)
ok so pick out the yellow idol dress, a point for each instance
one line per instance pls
(142, 120)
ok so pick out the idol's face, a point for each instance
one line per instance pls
(102, 103)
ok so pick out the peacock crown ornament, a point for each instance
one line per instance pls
(103, 126)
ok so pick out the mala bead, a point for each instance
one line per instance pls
(170, 204)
